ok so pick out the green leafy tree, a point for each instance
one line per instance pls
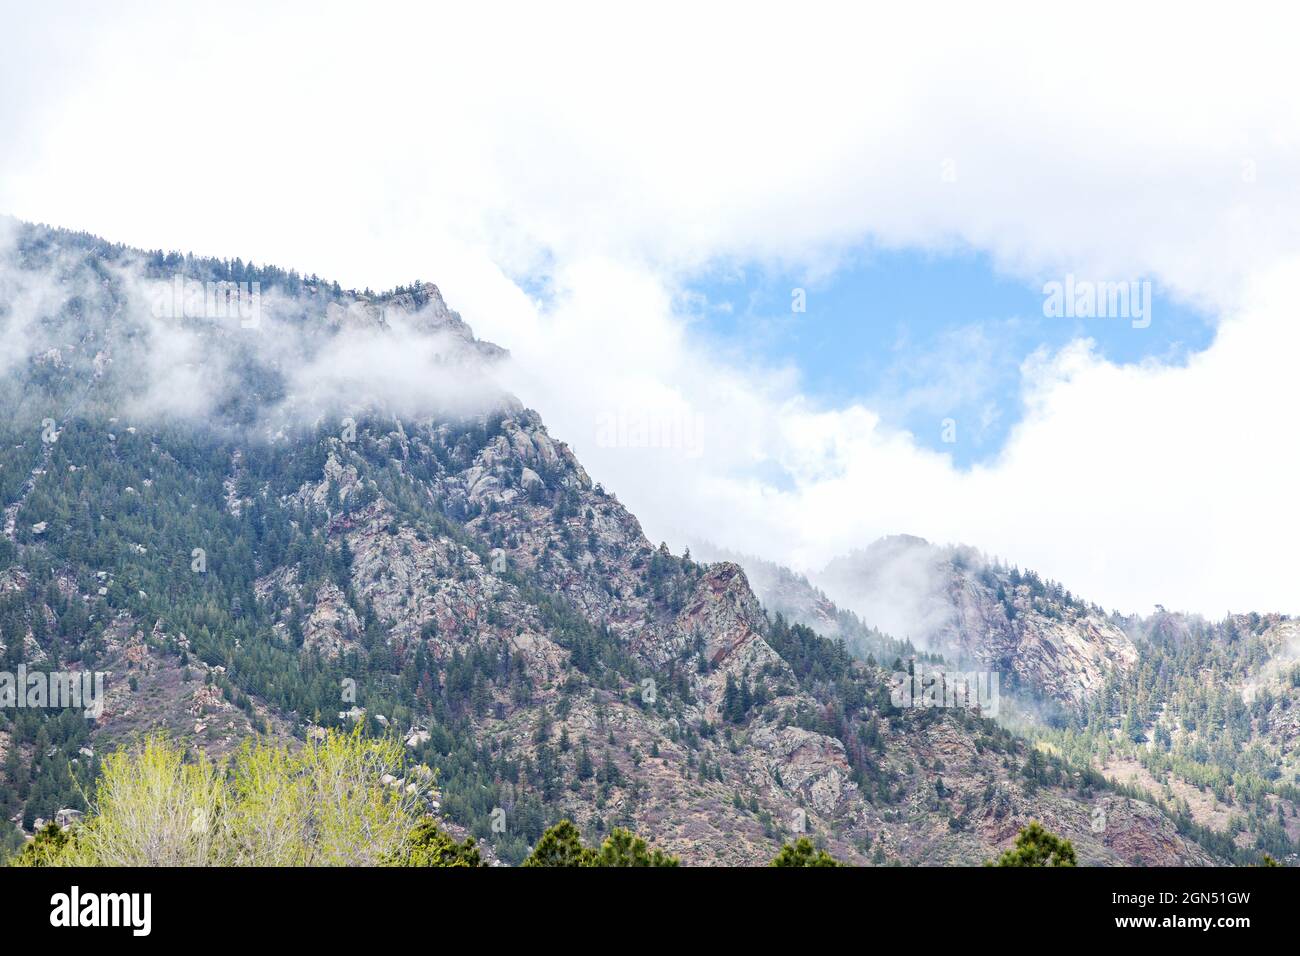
(1038, 846)
(322, 805)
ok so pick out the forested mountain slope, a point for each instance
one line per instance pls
(1200, 717)
(332, 514)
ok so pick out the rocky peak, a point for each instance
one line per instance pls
(421, 308)
(956, 602)
(724, 610)
(462, 573)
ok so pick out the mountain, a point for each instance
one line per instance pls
(329, 514)
(955, 602)
(1195, 716)
(799, 601)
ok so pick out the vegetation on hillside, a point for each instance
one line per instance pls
(324, 804)
(802, 852)
(562, 846)
(1038, 846)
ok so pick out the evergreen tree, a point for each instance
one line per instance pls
(429, 845)
(1038, 846)
(802, 853)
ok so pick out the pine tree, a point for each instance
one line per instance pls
(561, 845)
(583, 766)
(1038, 846)
(803, 853)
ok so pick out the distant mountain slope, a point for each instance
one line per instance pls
(954, 601)
(792, 595)
(1209, 722)
(335, 516)
(1201, 717)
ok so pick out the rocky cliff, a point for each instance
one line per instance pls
(955, 602)
(448, 571)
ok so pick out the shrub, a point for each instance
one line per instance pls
(323, 805)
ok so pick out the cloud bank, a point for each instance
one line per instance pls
(563, 174)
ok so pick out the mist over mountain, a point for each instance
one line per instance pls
(1198, 714)
(344, 520)
(440, 438)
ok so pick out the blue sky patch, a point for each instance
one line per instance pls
(933, 342)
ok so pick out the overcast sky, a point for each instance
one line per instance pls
(568, 174)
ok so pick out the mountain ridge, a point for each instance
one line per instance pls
(450, 571)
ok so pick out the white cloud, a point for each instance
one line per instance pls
(618, 152)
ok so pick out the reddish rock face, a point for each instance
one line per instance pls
(718, 732)
(702, 624)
